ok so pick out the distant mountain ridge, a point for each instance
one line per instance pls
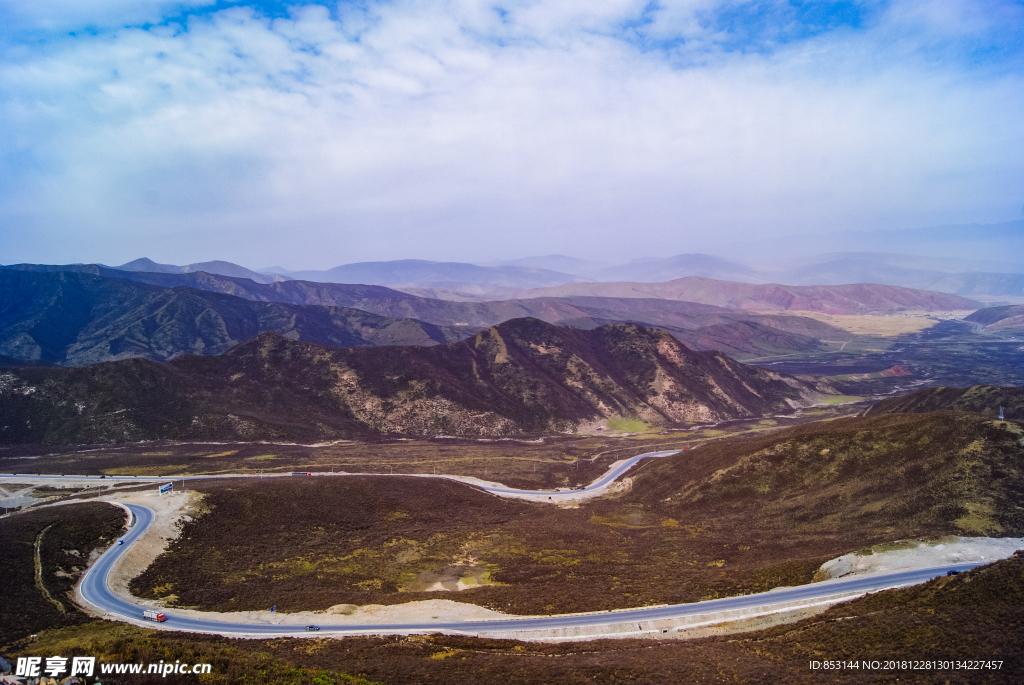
(682, 265)
(556, 262)
(436, 274)
(146, 265)
(836, 299)
(78, 318)
(520, 377)
(702, 327)
(501, 280)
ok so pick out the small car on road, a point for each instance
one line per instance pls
(310, 629)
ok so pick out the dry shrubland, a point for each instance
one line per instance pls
(729, 518)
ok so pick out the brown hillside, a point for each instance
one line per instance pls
(860, 298)
(983, 399)
(996, 319)
(727, 518)
(523, 376)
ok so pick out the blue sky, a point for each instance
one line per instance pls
(310, 135)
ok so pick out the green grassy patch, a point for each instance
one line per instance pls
(842, 399)
(627, 426)
(53, 491)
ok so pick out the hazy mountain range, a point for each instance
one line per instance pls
(862, 298)
(978, 261)
(523, 376)
(986, 279)
(81, 314)
(454, 275)
(145, 265)
(77, 318)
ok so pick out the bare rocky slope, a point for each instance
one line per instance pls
(521, 377)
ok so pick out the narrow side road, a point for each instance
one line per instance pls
(596, 488)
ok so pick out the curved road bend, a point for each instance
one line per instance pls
(599, 483)
(95, 591)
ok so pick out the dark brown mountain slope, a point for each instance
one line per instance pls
(983, 399)
(711, 327)
(523, 376)
(78, 318)
(893, 477)
(997, 319)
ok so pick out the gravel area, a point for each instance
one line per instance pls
(909, 554)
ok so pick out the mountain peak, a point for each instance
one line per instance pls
(521, 377)
(147, 264)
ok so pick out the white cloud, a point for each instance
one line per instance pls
(321, 138)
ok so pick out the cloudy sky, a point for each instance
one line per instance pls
(310, 135)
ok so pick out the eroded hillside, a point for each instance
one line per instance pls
(523, 376)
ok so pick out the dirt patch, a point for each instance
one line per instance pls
(168, 510)
(904, 555)
(424, 612)
(879, 325)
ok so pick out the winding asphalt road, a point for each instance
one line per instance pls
(599, 483)
(94, 588)
(95, 591)
(498, 489)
